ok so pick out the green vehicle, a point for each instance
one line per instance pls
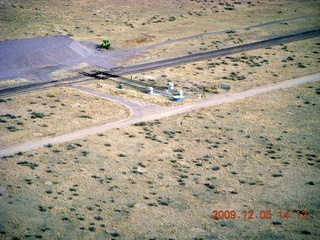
(105, 44)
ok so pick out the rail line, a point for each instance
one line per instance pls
(134, 84)
(215, 53)
(117, 72)
(41, 85)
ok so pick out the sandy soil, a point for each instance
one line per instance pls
(150, 182)
(53, 112)
(163, 179)
(240, 72)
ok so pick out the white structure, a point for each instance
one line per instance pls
(150, 90)
(178, 97)
(170, 86)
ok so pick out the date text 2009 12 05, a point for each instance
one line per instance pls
(262, 214)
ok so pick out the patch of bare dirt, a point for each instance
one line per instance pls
(164, 178)
(53, 112)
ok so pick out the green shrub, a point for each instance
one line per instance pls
(70, 146)
(12, 128)
(28, 164)
(85, 116)
(300, 65)
(140, 124)
(37, 115)
(85, 153)
(10, 116)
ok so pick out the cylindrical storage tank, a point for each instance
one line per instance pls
(180, 92)
(150, 90)
(170, 86)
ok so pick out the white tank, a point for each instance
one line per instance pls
(180, 92)
(170, 86)
(150, 90)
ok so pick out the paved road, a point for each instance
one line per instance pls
(153, 113)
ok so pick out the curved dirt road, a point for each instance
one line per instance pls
(137, 109)
(139, 113)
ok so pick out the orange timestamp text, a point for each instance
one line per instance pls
(262, 214)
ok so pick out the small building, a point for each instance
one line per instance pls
(179, 96)
(150, 90)
(170, 86)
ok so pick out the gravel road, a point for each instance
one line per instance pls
(156, 114)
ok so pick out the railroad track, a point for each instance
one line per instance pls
(118, 72)
(138, 85)
(215, 53)
(41, 86)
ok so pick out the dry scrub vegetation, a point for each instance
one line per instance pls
(165, 177)
(238, 72)
(162, 179)
(135, 22)
(53, 112)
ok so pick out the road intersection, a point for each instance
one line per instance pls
(147, 112)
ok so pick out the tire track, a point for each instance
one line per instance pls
(225, 31)
(158, 114)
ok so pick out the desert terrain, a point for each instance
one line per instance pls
(91, 160)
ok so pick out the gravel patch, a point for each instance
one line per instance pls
(40, 56)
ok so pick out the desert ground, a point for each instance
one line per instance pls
(255, 160)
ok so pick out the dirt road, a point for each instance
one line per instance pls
(83, 54)
(139, 111)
